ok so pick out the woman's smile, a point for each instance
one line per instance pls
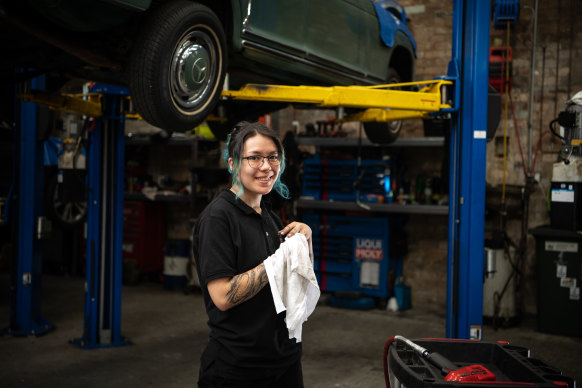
(266, 180)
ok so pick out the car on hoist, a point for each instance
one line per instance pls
(174, 55)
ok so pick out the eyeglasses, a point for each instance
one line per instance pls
(257, 161)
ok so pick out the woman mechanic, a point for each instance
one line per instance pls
(249, 343)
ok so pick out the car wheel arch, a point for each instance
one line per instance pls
(403, 62)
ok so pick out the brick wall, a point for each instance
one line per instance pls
(557, 76)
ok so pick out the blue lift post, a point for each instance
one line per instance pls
(469, 64)
(102, 322)
(25, 289)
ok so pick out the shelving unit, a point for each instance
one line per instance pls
(384, 208)
(395, 208)
(171, 164)
(175, 198)
(193, 167)
(331, 177)
(364, 142)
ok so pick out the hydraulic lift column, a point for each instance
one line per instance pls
(469, 64)
(25, 289)
(102, 323)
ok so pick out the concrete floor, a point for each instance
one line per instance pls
(342, 348)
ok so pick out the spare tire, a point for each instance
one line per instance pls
(178, 65)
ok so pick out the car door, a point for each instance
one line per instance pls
(337, 33)
(334, 37)
(278, 24)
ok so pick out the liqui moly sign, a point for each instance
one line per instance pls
(369, 248)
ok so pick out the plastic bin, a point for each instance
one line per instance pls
(176, 261)
(403, 296)
(510, 364)
(559, 275)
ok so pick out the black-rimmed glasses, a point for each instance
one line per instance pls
(256, 161)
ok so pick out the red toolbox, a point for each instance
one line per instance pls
(144, 234)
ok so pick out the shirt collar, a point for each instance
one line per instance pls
(239, 203)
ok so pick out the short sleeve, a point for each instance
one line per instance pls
(216, 249)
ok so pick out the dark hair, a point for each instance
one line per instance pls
(234, 148)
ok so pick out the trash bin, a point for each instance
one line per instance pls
(176, 260)
(559, 274)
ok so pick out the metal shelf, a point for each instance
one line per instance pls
(174, 140)
(180, 198)
(374, 207)
(354, 142)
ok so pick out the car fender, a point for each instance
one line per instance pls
(390, 27)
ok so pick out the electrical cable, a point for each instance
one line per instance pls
(517, 135)
(554, 131)
(385, 361)
(538, 147)
(506, 92)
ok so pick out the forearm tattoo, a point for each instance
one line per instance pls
(246, 285)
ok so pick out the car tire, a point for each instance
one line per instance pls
(66, 214)
(178, 65)
(384, 132)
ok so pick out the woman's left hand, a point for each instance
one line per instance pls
(296, 227)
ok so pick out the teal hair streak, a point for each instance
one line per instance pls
(279, 186)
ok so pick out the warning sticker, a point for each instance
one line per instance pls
(568, 282)
(575, 293)
(562, 195)
(561, 246)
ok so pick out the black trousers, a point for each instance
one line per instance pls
(212, 376)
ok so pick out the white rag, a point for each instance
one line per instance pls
(293, 283)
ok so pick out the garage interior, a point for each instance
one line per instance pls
(526, 293)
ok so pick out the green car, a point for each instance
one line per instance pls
(174, 55)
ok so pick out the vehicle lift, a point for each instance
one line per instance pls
(104, 233)
(462, 93)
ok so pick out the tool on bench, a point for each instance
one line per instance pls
(452, 372)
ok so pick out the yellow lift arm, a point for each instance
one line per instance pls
(381, 102)
(85, 104)
(65, 102)
(378, 102)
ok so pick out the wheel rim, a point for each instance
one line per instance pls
(394, 126)
(68, 212)
(193, 69)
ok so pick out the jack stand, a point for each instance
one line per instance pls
(102, 323)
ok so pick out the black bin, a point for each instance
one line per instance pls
(559, 276)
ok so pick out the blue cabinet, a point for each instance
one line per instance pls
(353, 254)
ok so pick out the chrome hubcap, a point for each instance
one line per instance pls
(192, 71)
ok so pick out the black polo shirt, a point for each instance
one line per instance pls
(231, 238)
